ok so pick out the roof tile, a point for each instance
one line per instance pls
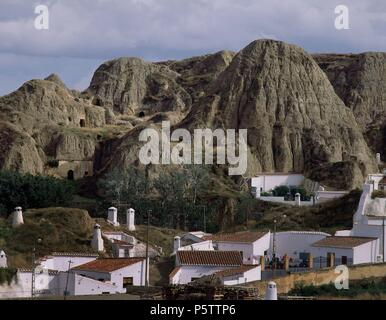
(108, 264)
(210, 258)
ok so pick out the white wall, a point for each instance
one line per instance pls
(137, 271)
(248, 276)
(322, 196)
(44, 285)
(186, 273)
(365, 253)
(294, 242)
(204, 245)
(339, 252)
(269, 182)
(60, 263)
(251, 251)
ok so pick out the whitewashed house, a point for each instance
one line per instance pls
(192, 265)
(119, 272)
(347, 250)
(193, 237)
(240, 275)
(295, 244)
(265, 182)
(253, 245)
(126, 246)
(369, 219)
(63, 261)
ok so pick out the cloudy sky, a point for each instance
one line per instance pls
(84, 33)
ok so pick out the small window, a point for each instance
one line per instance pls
(82, 123)
(70, 175)
(141, 114)
(86, 173)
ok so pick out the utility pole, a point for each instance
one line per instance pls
(36, 241)
(33, 271)
(383, 238)
(147, 249)
(204, 218)
(274, 248)
(68, 274)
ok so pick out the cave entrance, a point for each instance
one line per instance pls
(82, 123)
(70, 175)
(141, 114)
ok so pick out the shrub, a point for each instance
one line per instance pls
(30, 191)
(378, 194)
(53, 163)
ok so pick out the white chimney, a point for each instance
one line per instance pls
(271, 292)
(297, 199)
(176, 244)
(112, 218)
(378, 157)
(97, 241)
(130, 219)
(17, 218)
(3, 260)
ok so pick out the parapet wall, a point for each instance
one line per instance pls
(320, 277)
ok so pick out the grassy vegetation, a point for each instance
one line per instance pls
(61, 229)
(7, 275)
(329, 216)
(372, 288)
(70, 230)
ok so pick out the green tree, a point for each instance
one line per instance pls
(30, 191)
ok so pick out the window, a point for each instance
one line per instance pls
(141, 114)
(70, 175)
(82, 123)
(127, 282)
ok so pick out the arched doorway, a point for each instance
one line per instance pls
(141, 114)
(70, 175)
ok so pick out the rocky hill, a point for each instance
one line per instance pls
(296, 121)
(360, 81)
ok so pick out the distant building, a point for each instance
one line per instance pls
(347, 250)
(119, 272)
(266, 182)
(253, 245)
(126, 246)
(228, 265)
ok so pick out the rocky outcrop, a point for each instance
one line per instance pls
(195, 74)
(134, 86)
(295, 120)
(360, 81)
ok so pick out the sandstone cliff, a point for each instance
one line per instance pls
(360, 81)
(296, 121)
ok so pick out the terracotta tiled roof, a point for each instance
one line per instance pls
(108, 265)
(174, 272)
(242, 237)
(210, 258)
(235, 271)
(342, 242)
(74, 254)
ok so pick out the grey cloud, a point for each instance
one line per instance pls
(87, 31)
